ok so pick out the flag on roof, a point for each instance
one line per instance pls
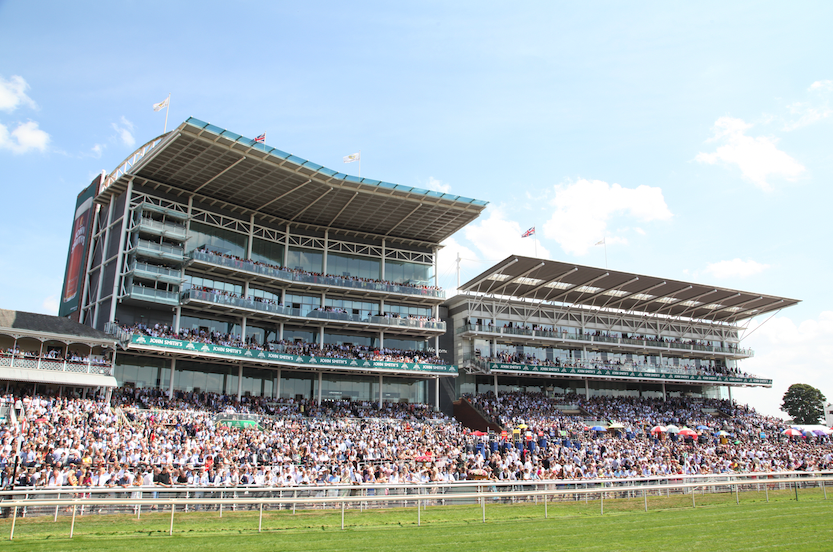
(528, 233)
(162, 105)
(601, 242)
(352, 157)
(261, 138)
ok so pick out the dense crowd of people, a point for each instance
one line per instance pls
(145, 438)
(327, 350)
(302, 272)
(54, 354)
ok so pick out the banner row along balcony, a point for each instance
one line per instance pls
(550, 338)
(284, 360)
(645, 373)
(205, 301)
(255, 272)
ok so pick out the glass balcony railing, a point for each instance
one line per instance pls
(642, 343)
(153, 272)
(143, 293)
(55, 365)
(271, 308)
(166, 229)
(160, 251)
(327, 281)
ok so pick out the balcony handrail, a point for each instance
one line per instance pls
(328, 280)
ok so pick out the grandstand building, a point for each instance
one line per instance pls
(223, 265)
(537, 325)
(258, 255)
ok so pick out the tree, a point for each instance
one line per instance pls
(804, 403)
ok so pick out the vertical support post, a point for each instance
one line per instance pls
(437, 393)
(602, 500)
(171, 383)
(796, 490)
(278, 386)
(342, 516)
(326, 248)
(645, 498)
(380, 391)
(824, 489)
(545, 506)
(14, 519)
(120, 255)
(737, 494)
(260, 521)
(72, 525)
(693, 505)
(664, 396)
(496, 395)
(483, 507)
(766, 490)
(320, 379)
(239, 381)
(586, 389)
(419, 513)
(383, 259)
(173, 509)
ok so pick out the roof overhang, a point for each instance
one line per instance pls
(539, 280)
(236, 173)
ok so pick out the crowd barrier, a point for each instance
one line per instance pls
(137, 500)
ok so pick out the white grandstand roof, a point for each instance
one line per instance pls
(534, 279)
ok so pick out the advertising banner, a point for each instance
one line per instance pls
(78, 246)
(283, 358)
(611, 373)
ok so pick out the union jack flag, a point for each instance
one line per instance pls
(528, 232)
(261, 138)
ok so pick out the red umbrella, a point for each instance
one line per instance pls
(792, 432)
(658, 429)
(686, 432)
(479, 433)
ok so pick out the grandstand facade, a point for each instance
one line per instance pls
(535, 325)
(224, 265)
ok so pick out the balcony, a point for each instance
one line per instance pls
(55, 365)
(164, 229)
(157, 273)
(630, 371)
(273, 309)
(164, 252)
(620, 342)
(142, 293)
(324, 282)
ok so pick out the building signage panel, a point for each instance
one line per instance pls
(283, 358)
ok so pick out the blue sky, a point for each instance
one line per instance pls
(694, 138)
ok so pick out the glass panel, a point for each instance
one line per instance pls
(305, 259)
(356, 267)
(267, 252)
(411, 273)
(216, 239)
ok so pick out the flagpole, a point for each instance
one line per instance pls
(535, 237)
(167, 109)
(605, 243)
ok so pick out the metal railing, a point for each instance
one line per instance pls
(261, 306)
(134, 501)
(55, 365)
(321, 280)
(567, 336)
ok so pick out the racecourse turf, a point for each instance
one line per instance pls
(671, 523)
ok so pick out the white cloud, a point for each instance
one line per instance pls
(584, 208)
(639, 231)
(447, 264)
(788, 353)
(437, 185)
(13, 93)
(807, 115)
(125, 132)
(26, 137)
(97, 150)
(50, 305)
(821, 86)
(735, 268)
(496, 237)
(757, 158)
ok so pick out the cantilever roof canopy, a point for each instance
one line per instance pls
(543, 280)
(240, 174)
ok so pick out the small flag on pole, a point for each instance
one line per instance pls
(352, 157)
(161, 105)
(601, 242)
(528, 233)
(261, 138)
